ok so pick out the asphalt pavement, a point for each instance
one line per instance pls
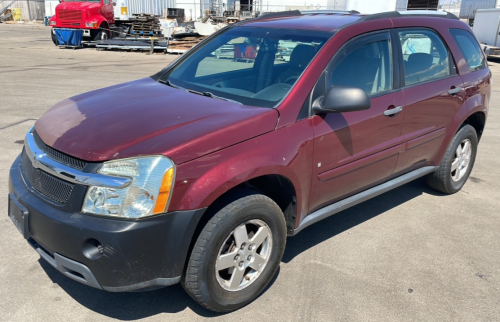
(411, 254)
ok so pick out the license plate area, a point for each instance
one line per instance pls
(19, 216)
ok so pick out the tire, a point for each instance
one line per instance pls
(101, 34)
(212, 287)
(446, 180)
(54, 37)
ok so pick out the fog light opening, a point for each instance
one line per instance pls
(92, 249)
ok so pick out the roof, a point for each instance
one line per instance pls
(314, 21)
(331, 20)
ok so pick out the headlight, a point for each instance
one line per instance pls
(52, 23)
(91, 24)
(147, 195)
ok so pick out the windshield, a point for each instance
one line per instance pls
(253, 66)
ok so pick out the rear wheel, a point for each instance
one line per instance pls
(237, 254)
(457, 163)
(54, 37)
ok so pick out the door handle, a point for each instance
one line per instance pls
(393, 111)
(455, 90)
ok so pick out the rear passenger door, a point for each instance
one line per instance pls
(477, 78)
(354, 150)
(433, 92)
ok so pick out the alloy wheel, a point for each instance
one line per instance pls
(462, 160)
(243, 255)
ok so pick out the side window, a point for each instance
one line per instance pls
(106, 1)
(366, 64)
(425, 56)
(470, 49)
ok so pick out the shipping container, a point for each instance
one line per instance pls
(155, 7)
(469, 7)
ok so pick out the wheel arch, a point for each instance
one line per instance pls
(476, 117)
(277, 187)
(477, 120)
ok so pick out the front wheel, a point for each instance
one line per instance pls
(54, 37)
(237, 254)
(457, 163)
(101, 34)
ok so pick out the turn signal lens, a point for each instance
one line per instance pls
(166, 184)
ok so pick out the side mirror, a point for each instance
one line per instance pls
(114, 3)
(340, 98)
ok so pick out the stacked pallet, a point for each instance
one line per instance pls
(144, 23)
(183, 44)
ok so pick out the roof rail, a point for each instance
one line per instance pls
(300, 13)
(277, 14)
(409, 13)
(309, 12)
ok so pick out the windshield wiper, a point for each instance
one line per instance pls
(169, 83)
(207, 94)
(211, 95)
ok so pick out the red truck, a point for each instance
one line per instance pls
(105, 19)
(200, 173)
(93, 16)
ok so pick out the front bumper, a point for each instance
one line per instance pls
(132, 254)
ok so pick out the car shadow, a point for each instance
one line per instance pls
(132, 305)
(138, 305)
(345, 220)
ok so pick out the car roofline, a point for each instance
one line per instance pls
(370, 17)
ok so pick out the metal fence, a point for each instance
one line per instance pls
(30, 9)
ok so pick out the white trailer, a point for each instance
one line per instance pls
(486, 28)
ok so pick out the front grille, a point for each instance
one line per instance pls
(59, 156)
(69, 23)
(46, 184)
(68, 14)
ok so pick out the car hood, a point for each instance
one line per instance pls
(145, 117)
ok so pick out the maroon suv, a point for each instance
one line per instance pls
(199, 173)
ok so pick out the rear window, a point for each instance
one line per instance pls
(470, 49)
(425, 56)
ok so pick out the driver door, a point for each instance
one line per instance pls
(354, 150)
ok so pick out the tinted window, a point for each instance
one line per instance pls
(425, 56)
(254, 66)
(470, 49)
(367, 66)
